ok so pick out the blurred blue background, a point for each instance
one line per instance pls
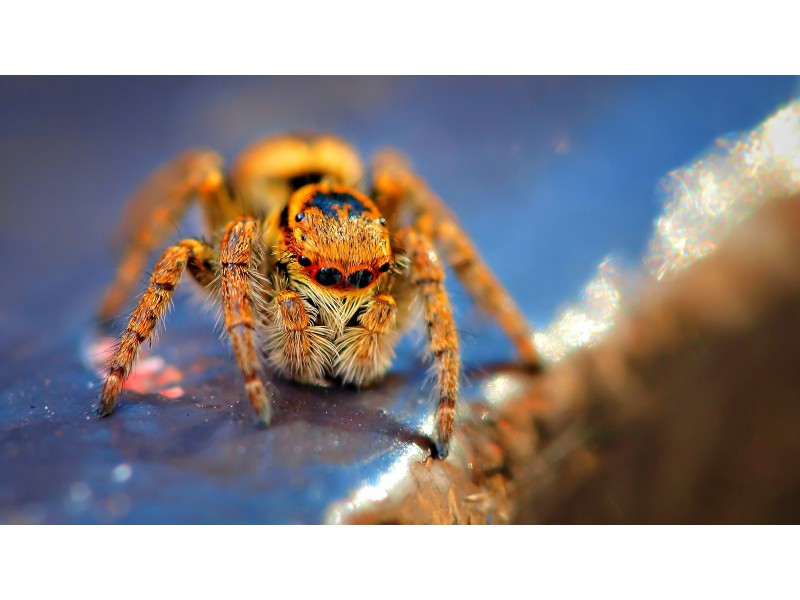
(547, 174)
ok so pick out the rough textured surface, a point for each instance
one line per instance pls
(688, 412)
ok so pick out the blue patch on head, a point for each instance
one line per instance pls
(328, 202)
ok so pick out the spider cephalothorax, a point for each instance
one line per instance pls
(338, 237)
(317, 274)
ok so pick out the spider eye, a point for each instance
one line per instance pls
(300, 216)
(360, 279)
(304, 261)
(384, 268)
(329, 276)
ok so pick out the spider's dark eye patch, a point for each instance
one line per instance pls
(304, 261)
(360, 279)
(384, 267)
(329, 276)
(300, 216)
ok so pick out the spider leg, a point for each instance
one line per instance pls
(395, 182)
(427, 277)
(367, 349)
(241, 252)
(296, 347)
(152, 307)
(152, 214)
(482, 284)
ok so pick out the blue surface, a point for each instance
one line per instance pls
(548, 175)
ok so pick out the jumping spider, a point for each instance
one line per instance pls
(314, 273)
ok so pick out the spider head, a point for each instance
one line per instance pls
(337, 237)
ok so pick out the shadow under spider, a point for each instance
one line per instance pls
(395, 409)
(377, 409)
(380, 408)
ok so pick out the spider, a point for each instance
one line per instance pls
(314, 275)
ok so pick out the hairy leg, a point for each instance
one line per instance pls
(242, 291)
(191, 253)
(482, 284)
(296, 347)
(427, 277)
(367, 349)
(153, 213)
(397, 183)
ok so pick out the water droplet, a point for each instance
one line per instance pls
(121, 473)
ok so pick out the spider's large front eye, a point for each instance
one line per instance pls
(329, 276)
(360, 279)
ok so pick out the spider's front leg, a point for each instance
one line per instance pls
(296, 347)
(367, 350)
(191, 253)
(241, 253)
(427, 277)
